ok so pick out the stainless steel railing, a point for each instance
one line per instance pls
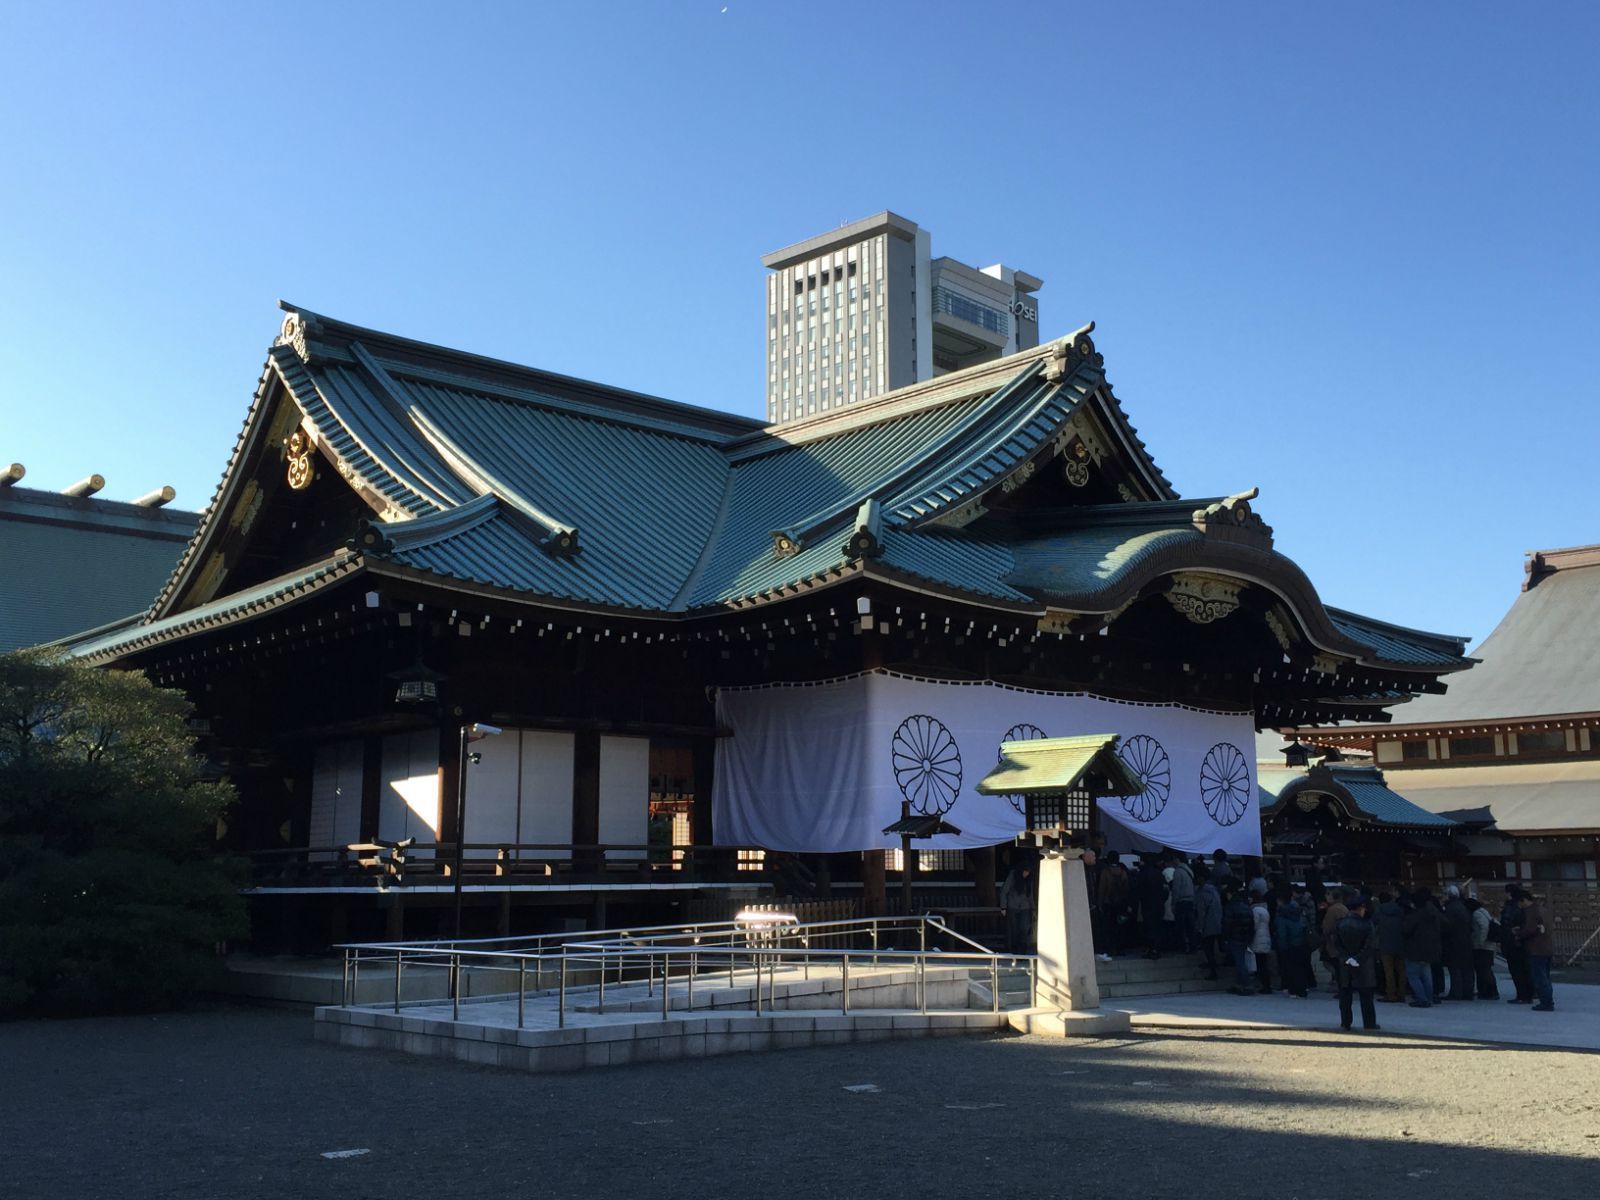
(583, 962)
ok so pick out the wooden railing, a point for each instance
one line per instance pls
(410, 863)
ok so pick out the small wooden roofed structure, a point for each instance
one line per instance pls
(1053, 766)
(571, 557)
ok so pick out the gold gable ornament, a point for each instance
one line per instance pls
(300, 470)
(1204, 598)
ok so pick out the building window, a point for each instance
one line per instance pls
(1551, 741)
(965, 309)
(1414, 751)
(1472, 747)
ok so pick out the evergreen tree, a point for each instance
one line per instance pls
(112, 893)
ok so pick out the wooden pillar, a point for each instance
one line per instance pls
(701, 830)
(874, 897)
(983, 877)
(449, 780)
(586, 798)
(371, 785)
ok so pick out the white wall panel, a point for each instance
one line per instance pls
(624, 793)
(492, 785)
(546, 811)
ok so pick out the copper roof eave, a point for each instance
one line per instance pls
(246, 443)
(1485, 725)
(296, 589)
(1263, 568)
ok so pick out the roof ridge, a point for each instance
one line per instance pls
(304, 328)
(949, 443)
(916, 397)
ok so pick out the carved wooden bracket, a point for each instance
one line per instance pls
(1204, 598)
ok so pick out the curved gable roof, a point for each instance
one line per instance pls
(549, 487)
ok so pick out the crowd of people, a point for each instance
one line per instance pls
(1387, 945)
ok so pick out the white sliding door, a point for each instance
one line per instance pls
(625, 794)
(409, 806)
(546, 804)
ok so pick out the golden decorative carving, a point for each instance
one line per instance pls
(1056, 621)
(961, 516)
(1327, 664)
(1077, 468)
(1204, 598)
(294, 333)
(299, 451)
(1280, 628)
(1018, 477)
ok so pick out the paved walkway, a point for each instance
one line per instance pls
(1574, 1025)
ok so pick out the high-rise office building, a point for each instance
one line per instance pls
(864, 309)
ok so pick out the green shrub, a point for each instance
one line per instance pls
(112, 895)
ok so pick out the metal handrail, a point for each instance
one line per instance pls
(761, 946)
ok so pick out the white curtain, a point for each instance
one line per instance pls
(825, 767)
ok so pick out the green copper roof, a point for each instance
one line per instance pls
(558, 490)
(1361, 788)
(1050, 766)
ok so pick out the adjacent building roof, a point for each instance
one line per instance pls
(1532, 798)
(1362, 792)
(75, 562)
(1542, 660)
(543, 488)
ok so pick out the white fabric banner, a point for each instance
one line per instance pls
(824, 767)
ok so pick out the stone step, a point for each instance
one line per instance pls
(1111, 991)
(1139, 970)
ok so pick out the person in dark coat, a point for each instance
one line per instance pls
(1018, 898)
(1238, 929)
(1536, 940)
(1423, 946)
(1152, 888)
(1511, 946)
(1392, 946)
(1355, 945)
(1293, 939)
(1113, 889)
(1458, 945)
(1208, 920)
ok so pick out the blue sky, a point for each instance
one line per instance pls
(1345, 252)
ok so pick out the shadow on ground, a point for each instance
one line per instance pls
(241, 1103)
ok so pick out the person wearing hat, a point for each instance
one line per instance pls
(1355, 946)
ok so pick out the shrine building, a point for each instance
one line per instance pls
(623, 658)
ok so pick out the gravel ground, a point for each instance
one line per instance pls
(240, 1103)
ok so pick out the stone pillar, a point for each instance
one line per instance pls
(1066, 945)
(1069, 993)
